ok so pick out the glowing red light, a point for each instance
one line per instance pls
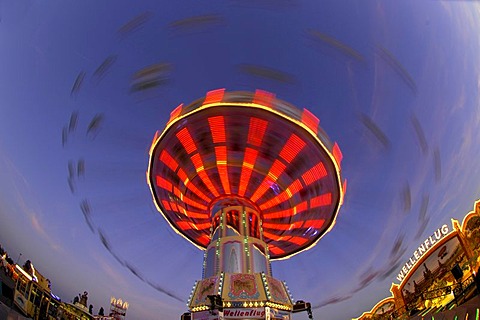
(174, 206)
(277, 169)
(187, 225)
(295, 187)
(204, 239)
(291, 149)
(186, 140)
(217, 127)
(315, 173)
(344, 186)
(187, 183)
(321, 200)
(221, 154)
(250, 157)
(184, 225)
(264, 98)
(197, 215)
(310, 120)
(183, 176)
(206, 180)
(288, 212)
(176, 112)
(301, 207)
(297, 240)
(247, 167)
(337, 154)
(214, 96)
(282, 226)
(166, 205)
(266, 183)
(275, 250)
(189, 175)
(256, 131)
(315, 224)
(197, 162)
(279, 214)
(164, 184)
(166, 158)
(270, 236)
(194, 203)
(177, 192)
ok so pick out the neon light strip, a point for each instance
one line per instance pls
(275, 172)
(221, 155)
(203, 239)
(193, 203)
(337, 154)
(314, 174)
(166, 205)
(214, 96)
(264, 98)
(217, 129)
(256, 131)
(310, 121)
(282, 226)
(195, 215)
(180, 209)
(295, 240)
(186, 225)
(292, 189)
(287, 213)
(164, 184)
(274, 249)
(292, 148)
(247, 168)
(197, 162)
(315, 223)
(271, 236)
(187, 182)
(321, 200)
(168, 160)
(186, 140)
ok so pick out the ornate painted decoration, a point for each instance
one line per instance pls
(243, 286)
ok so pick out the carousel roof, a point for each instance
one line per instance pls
(250, 146)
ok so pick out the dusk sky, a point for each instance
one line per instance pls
(395, 83)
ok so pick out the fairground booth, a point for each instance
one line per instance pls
(440, 280)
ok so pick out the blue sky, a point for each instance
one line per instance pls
(419, 60)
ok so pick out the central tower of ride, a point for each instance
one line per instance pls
(247, 178)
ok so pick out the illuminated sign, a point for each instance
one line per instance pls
(417, 254)
(244, 313)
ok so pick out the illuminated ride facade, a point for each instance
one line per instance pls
(247, 178)
(441, 275)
